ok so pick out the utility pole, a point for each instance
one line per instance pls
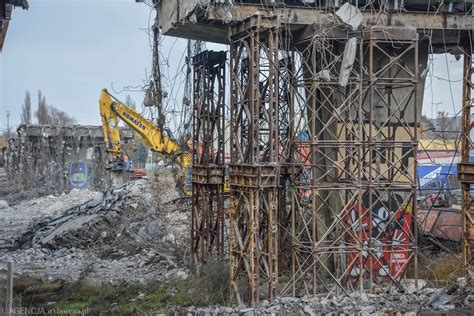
(8, 124)
(154, 94)
(158, 88)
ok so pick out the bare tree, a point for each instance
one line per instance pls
(48, 114)
(58, 117)
(26, 109)
(443, 126)
(42, 111)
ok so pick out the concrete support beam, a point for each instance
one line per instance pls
(211, 22)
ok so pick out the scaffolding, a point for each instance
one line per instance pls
(322, 176)
(466, 167)
(256, 153)
(353, 188)
(208, 178)
(324, 138)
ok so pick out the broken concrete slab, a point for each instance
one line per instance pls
(127, 217)
(118, 235)
(350, 15)
(16, 219)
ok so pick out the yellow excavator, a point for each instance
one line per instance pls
(111, 110)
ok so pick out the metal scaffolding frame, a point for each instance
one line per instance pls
(324, 139)
(208, 176)
(259, 125)
(353, 179)
(466, 167)
(322, 177)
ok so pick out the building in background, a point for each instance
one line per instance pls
(438, 151)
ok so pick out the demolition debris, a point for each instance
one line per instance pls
(119, 234)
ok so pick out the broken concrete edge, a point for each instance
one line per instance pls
(75, 130)
(350, 51)
(208, 21)
(350, 15)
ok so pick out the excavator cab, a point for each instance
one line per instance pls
(119, 164)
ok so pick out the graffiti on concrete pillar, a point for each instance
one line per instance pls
(384, 227)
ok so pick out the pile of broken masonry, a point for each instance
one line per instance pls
(118, 235)
(129, 234)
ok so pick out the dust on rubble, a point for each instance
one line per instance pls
(113, 236)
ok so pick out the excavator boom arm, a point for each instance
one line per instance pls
(110, 127)
(111, 110)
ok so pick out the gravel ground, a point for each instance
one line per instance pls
(72, 264)
(456, 300)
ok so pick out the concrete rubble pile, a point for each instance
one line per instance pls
(133, 234)
(409, 301)
(88, 224)
(121, 221)
(140, 233)
(118, 235)
(457, 296)
(15, 220)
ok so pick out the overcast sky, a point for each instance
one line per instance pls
(71, 49)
